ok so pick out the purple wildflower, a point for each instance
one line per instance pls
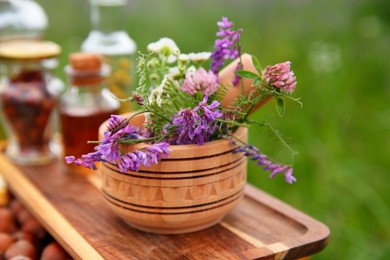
(263, 160)
(115, 122)
(132, 161)
(280, 76)
(185, 120)
(86, 160)
(108, 149)
(236, 77)
(200, 81)
(226, 47)
(70, 159)
(138, 99)
(195, 126)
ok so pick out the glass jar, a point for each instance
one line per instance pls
(21, 19)
(28, 100)
(109, 39)
(86, 104)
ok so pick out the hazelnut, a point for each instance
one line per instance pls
(7, 221)
(31, 225)
(19, 235)
(23, 215)
(5, 241)
(21, 248)
(54, 251)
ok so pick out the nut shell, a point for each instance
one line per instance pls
(33, 226)
(6, 241)
(7, 221)
(21, 248)
(54, 251)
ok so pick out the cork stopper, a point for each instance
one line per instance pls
(28, 49)
(226, 76)
(86, 69)
(85, 62)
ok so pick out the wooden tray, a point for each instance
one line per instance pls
(71, 208)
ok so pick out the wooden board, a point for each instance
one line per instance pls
(72, 209)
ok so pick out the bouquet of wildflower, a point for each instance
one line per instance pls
(181, 100)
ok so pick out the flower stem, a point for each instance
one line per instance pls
(134, 141)
(158, 114)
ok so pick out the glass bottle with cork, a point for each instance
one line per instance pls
(110, 40)
(28, 100)
(86, 104)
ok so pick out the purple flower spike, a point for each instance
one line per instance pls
(280, 76)
(195, 126)
(134, 160)
(225, 23)
(226, 47)
(108, 149)
(288, 176)
(86, 160)
(262, 160)
(114, 122)
(138, 99)
(70, 159)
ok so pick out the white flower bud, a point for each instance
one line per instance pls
(183, 57)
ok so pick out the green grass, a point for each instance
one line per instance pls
(339, 51)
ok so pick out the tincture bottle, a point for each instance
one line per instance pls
(28, 100)
(109, 39)
(86, 104)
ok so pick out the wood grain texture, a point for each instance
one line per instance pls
(192, 189)
(72, 209)
(179, 195)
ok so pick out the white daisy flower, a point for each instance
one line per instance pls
(165, 47)
(183, 57)
(199, 56)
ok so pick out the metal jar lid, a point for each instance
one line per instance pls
(28, 49)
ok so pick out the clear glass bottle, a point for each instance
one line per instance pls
(28, 100)
(109, 39)
(86, 104)
(21, 19)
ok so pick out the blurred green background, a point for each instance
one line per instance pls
(340, 52)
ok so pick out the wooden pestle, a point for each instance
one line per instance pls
(226, 76)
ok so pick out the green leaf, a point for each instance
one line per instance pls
(257, 65)
(280, 106)
(246, 74)
(257, 81)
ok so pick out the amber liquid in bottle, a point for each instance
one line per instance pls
(78, 128)
(85, 106)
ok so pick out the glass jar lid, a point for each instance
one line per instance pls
(28, 49)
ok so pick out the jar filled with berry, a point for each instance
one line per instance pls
(28, 100)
